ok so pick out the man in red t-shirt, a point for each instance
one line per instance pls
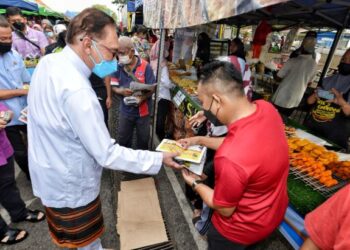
(251, 163)
(329, 225)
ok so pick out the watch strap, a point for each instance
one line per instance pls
(195, 183)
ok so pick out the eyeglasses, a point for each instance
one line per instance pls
(112, 51)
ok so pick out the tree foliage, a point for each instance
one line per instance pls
(105, 9)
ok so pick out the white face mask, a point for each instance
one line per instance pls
(125, 60)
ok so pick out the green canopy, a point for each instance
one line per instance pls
(49, 13)
(45, 12)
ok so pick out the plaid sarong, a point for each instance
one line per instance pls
(75, 227)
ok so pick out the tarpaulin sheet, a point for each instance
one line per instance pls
(173, 14)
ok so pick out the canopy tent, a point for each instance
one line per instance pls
(47, 12)
(185, 13)
(39, 8)
(307, 13)
(281, 14)
(25, 5)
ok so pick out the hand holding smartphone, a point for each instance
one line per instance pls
(325, 94)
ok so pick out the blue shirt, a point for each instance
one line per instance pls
(13, 74)
(339, 82)
(124, 81)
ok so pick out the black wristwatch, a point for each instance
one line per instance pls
(195, 183)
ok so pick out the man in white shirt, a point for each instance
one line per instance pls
(69, 143)
(294, 78)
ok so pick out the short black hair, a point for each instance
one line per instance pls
(90, 22)
(240, 48)
(13, 11)
(223, 75)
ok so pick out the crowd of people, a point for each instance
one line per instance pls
(241, 198)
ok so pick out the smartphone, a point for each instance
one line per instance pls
(325, 94)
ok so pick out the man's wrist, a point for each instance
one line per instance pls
(197, 140)
(195, 184)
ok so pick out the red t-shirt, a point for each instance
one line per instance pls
(251, 170)
(329, 225)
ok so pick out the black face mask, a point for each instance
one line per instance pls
(5, 47)
(19, 26)
(344, 69)
(211, 117)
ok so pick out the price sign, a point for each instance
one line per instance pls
(179, 98)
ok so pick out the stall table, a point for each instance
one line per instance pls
(302, 197)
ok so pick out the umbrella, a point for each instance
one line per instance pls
(25, 5)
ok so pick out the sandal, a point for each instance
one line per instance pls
(33, 216)
(196, 219)
(11, 236)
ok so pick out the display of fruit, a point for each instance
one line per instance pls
(341, 169)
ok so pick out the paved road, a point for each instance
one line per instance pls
(38, 233)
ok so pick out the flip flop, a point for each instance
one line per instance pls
(10, 237)
(33, 216)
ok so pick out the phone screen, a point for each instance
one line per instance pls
(325, 94)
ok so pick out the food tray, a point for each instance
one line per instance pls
(316, 185)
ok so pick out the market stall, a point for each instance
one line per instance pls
(318, 167)
(25, 5)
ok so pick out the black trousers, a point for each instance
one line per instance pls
(10, 197)
(126, 128)
(163, 111)
(17, 135)
(218, 242)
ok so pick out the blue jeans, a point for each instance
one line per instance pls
(127, 124)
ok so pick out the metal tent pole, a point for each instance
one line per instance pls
(238, 31)
(158, 77)
(330, 55)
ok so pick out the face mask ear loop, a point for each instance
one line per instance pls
(97, 50)
(217, 111)
(211, 104)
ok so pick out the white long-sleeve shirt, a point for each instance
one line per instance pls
(68, 140)
(165, 84)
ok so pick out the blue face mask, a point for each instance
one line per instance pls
(49, 34)
(104, 68)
